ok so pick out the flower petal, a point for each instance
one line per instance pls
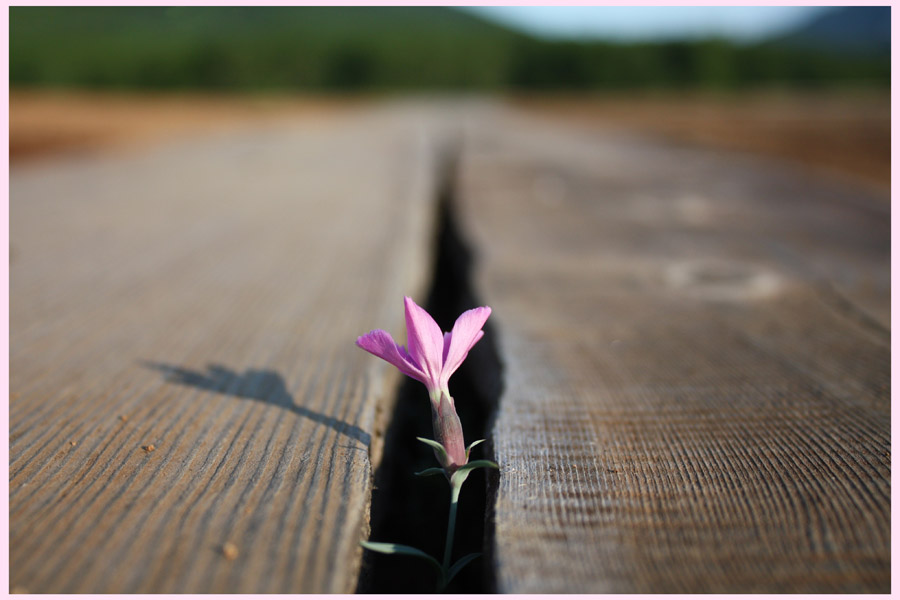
(447, 336)
(466, 332)
(381, 344)
(426, 342)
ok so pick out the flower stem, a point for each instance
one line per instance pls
(455, 487)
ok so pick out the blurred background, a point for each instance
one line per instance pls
(809, 84)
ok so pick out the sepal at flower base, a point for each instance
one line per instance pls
(448, 431)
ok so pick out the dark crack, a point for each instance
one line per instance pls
(412, 510)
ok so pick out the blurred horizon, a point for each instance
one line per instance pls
(374, 49)
(813, 87)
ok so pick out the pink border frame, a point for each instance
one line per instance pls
(4, 251)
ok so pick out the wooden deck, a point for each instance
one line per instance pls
(695, 358)
(697, 366)
(203, 299)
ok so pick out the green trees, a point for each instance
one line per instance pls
(355, 49)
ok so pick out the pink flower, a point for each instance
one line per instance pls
(432, 358)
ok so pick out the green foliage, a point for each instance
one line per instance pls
(430, 472)
(458, 566)
(387, 548)
(355, 49)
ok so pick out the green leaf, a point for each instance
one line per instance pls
(440, 449)
(460, 564)
(472, 445)
(386, 548)
(459, 477)
(429, 472)
(480, 464)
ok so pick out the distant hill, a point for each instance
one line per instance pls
(376, 49)
(857, 30)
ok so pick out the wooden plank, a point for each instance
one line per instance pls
(696, 355)
(203, 299)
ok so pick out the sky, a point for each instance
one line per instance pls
(739, 23)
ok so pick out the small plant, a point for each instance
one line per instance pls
(432, 357)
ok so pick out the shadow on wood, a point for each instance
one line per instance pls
(254, 384)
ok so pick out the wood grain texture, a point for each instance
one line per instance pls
(696, 355)
(203, 299)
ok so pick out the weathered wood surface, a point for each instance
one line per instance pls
(697, 365)
(203, 298)
(695, 347)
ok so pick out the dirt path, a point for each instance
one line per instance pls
(847, 134)
(43, 123)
